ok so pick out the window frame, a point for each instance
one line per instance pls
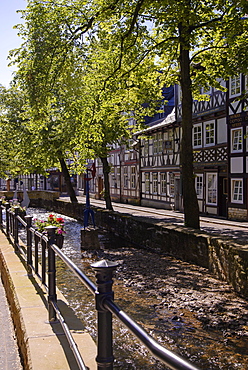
(208, 195)
(125, 177)
(240, 187)
(163, 183)
(118, 176)
(246, 82)
(199, 176)
(147, 182)
(197, 126)
(146, 147)
(210, 123)
(234, 80)
(133, 177)
(155, 144)
(160, 142)
(233, 130)
(179, 95)
(172, 184)
(155, 183)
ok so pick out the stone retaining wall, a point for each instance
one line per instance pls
(33, 194)
(237, 214)
(227, 261)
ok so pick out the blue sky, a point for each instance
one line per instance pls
(8, 36)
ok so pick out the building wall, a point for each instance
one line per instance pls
(238, 148)
(148, 173)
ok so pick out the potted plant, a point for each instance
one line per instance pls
(21, 210)
(52, 220)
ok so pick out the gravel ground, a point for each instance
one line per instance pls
(184, 306)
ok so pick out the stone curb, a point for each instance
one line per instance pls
(42, 345)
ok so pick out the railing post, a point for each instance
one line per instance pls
(52, 297)
(16, 210)
(7, 206)
(104, 275)
(43, 261)
(28, 219)
(1, 215)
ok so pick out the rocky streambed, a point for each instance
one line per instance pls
(183, 306)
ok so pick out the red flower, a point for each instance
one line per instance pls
(60, 220)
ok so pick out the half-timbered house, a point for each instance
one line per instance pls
(238, 147)
(160, 164)
(209, 139)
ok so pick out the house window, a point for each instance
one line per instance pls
(146, 148)
(246, 138)
(199, 186)
(235, 85)
(160, 142)
(125, 174)
(172, 185)
(163, 183)
(236, 140)
(197, 136)
(155, 183)
(147, 182)
(133, 177)
(209, 133)
(118, 176)
(237, 190)
(212, 188)
(179, 94)
(155, 144)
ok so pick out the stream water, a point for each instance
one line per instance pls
(181, 305)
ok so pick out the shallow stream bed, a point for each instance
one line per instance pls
(183, 306)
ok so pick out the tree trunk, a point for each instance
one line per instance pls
(67, 177)
(106, 171)
(190, 203)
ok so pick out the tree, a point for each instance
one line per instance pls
(80, 89)
(196, 42)
(25, 147)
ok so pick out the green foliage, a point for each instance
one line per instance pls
(82, 94)
(88, 69)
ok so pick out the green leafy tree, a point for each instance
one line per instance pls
(27, 147)
(80, 90)
(195, 42)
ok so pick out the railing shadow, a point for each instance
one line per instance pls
(39, 257)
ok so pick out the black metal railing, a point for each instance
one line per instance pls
(104, 297)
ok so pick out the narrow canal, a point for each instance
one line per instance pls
(181, 305)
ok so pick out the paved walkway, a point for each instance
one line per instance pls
(9, 356)
(236, 231)
(43, 345)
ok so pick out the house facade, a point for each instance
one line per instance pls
(210, 153)
(160, 165)
(148, 172)
(237, 121)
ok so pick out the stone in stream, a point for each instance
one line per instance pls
(89, 238)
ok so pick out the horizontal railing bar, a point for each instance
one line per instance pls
(70, 339)
(169, 358)
(20, 219)
(77, 272)
(82, 277)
